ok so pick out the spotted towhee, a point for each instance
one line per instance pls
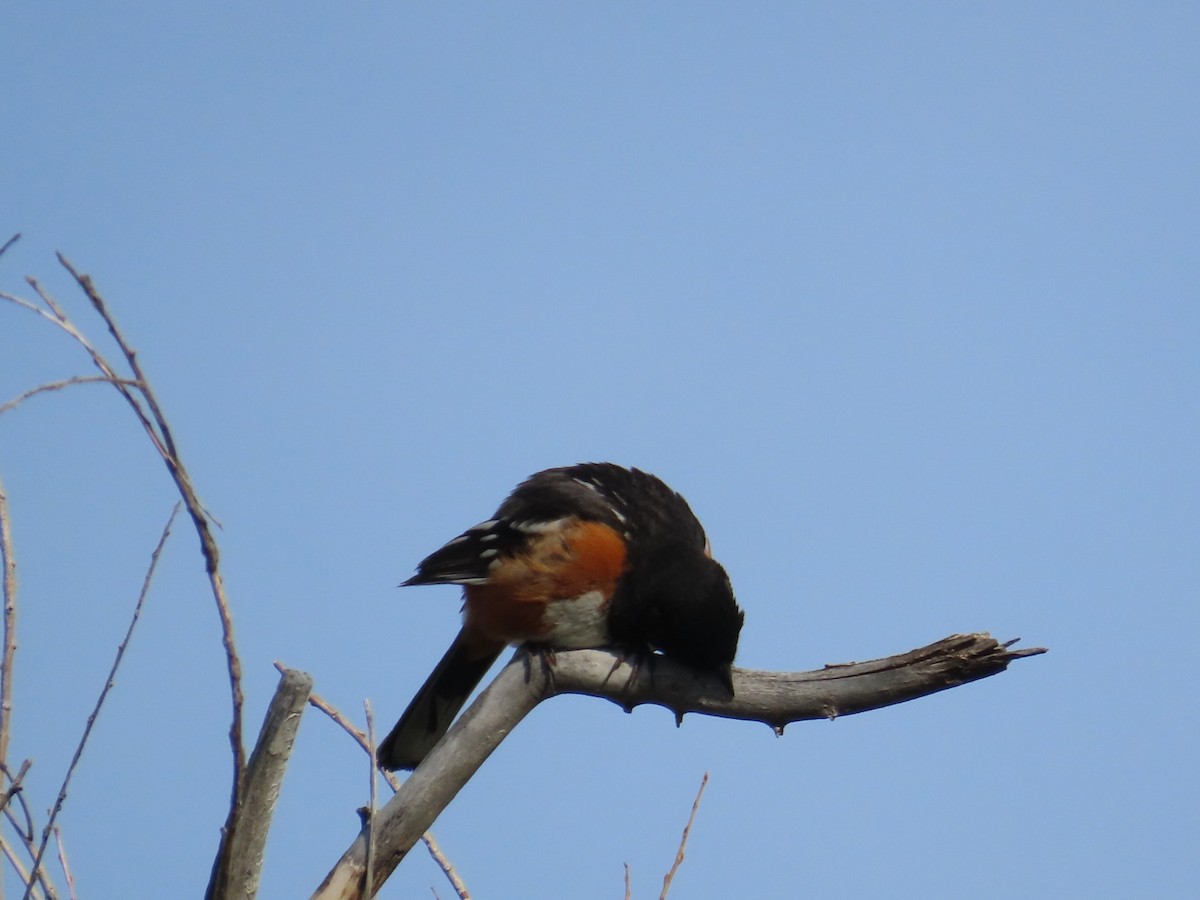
(592, 555)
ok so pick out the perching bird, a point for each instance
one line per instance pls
(592, 555)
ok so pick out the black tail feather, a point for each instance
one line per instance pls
(431, 711)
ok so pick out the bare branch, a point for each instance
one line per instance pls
(24, 827)
(238, 865)
(12, 240)
(58, 316)
(32, 307)
(62, 861)
(445, 865)
(318, 702)
(687, 830)
(13, 860)
(108, 683)
(85, 282)
(779, 698)
(160, 432)
(431, 844)
(41, 884)
(142, 400)
(8, 578)
(775, 698)
(59, 385)
(372, 767)
(14, 787)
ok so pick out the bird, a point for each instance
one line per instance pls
(589, 555)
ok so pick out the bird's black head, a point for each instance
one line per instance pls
(683, 605)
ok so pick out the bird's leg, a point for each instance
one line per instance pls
(636, 657)
(545, 654)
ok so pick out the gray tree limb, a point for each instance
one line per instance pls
(775, 698)
(239, 864)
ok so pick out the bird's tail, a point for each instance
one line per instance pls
(437, 702)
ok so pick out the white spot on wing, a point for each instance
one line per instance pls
(539, 527)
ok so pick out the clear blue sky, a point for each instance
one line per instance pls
(905, 298)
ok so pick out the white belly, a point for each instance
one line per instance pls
(578, 622)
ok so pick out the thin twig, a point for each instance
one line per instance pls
(62, 861)
(59, 385)
(145, 406)
(155, 425)
(14, 787)
(670, 876)
(58, 316)
(319, 702)
(208, 546)
(9, 578)
(85, 281)
(628, 884)
(24, 829)
(41, 881)
(431, 844)
(108, 683)
(447, 867)
(18, 867)
(26, 304)
(372, 802)
(12, 240)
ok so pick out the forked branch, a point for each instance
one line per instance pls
(774, 698)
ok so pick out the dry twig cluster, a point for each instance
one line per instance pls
(136, 390)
